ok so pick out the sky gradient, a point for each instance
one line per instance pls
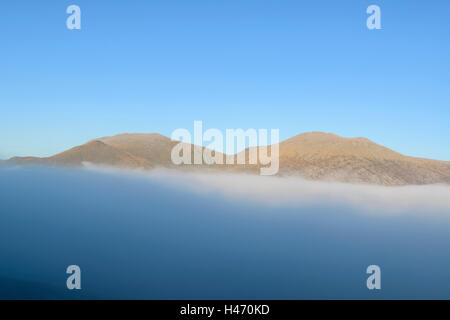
(155, 66)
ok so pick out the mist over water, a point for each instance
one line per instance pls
(187, 236)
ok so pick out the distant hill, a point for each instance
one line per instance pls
(325, 156)
(94, 151)
(313, 155)
(153, 147)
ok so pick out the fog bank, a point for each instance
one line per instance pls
(295, 191)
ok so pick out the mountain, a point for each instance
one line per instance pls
(94, 151)
(325, 156)
(313, 155)
(153, 147)
(140, 150)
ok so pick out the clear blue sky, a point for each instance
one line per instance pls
(155, 66)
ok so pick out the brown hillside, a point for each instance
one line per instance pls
(325, 156)
(314, 155)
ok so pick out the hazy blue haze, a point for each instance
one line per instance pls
(135, 238)
(154, 66)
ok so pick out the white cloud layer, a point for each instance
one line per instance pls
(296, 192)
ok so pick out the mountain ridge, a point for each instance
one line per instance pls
(311, 155)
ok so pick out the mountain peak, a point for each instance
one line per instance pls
(319, 135)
